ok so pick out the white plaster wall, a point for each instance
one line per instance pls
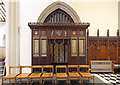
(101, 15)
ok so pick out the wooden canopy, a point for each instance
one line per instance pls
(37, 25)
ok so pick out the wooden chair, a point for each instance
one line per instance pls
(11, 75)
(24, 75)
(61, 76)
(47, 75)
(35, 75)
(86, 75)
(74, 75)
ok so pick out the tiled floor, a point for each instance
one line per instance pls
(97, 82)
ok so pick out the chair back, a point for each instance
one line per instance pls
(15, 67)
(39, 67)
(84, 66)
(50, 67)
(21, 67)
(74, 68)
(61, 67)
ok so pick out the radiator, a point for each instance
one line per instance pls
(101, 66)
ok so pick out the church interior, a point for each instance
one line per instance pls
(59, 42)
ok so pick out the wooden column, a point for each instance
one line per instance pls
(69, 45)
(108, 46)
(117, 45)
(48, 46)
(78, 46)
(87, 46)
(97, 44)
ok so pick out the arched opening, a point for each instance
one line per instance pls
(58, 16)
(58, 5)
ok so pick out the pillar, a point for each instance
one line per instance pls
(12, 34)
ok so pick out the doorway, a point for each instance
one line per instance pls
(59, 51)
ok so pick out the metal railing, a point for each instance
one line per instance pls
(2, 12)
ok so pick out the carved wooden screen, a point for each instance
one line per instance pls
(58, 16)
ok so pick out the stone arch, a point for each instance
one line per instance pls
(58, 5)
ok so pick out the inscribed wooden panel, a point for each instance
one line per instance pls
(35, 47)
(43, 47)
(81, 47)
(74, 47)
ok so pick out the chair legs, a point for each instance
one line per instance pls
(52, 81)
(40, 81)
(79, 78)
(14, 81)
(27, 81)
(9, 80)
(67, 81)
(93, 80)
(2, 81)
(55, 81)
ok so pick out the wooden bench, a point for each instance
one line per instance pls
(11, 75)
(74, 75)
(35, 75)
(24, 75)
(61, 76)
(85, 75)
(47, 75)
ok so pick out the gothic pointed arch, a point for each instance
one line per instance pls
(58, 5)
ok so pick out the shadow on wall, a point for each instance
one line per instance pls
(119, 16)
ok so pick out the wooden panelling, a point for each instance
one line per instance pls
(113, 52)
(119, 52)
(73, 61)
(92, 52)
(104, 48)
(35, 60)
(82, 60)
(102, 53)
